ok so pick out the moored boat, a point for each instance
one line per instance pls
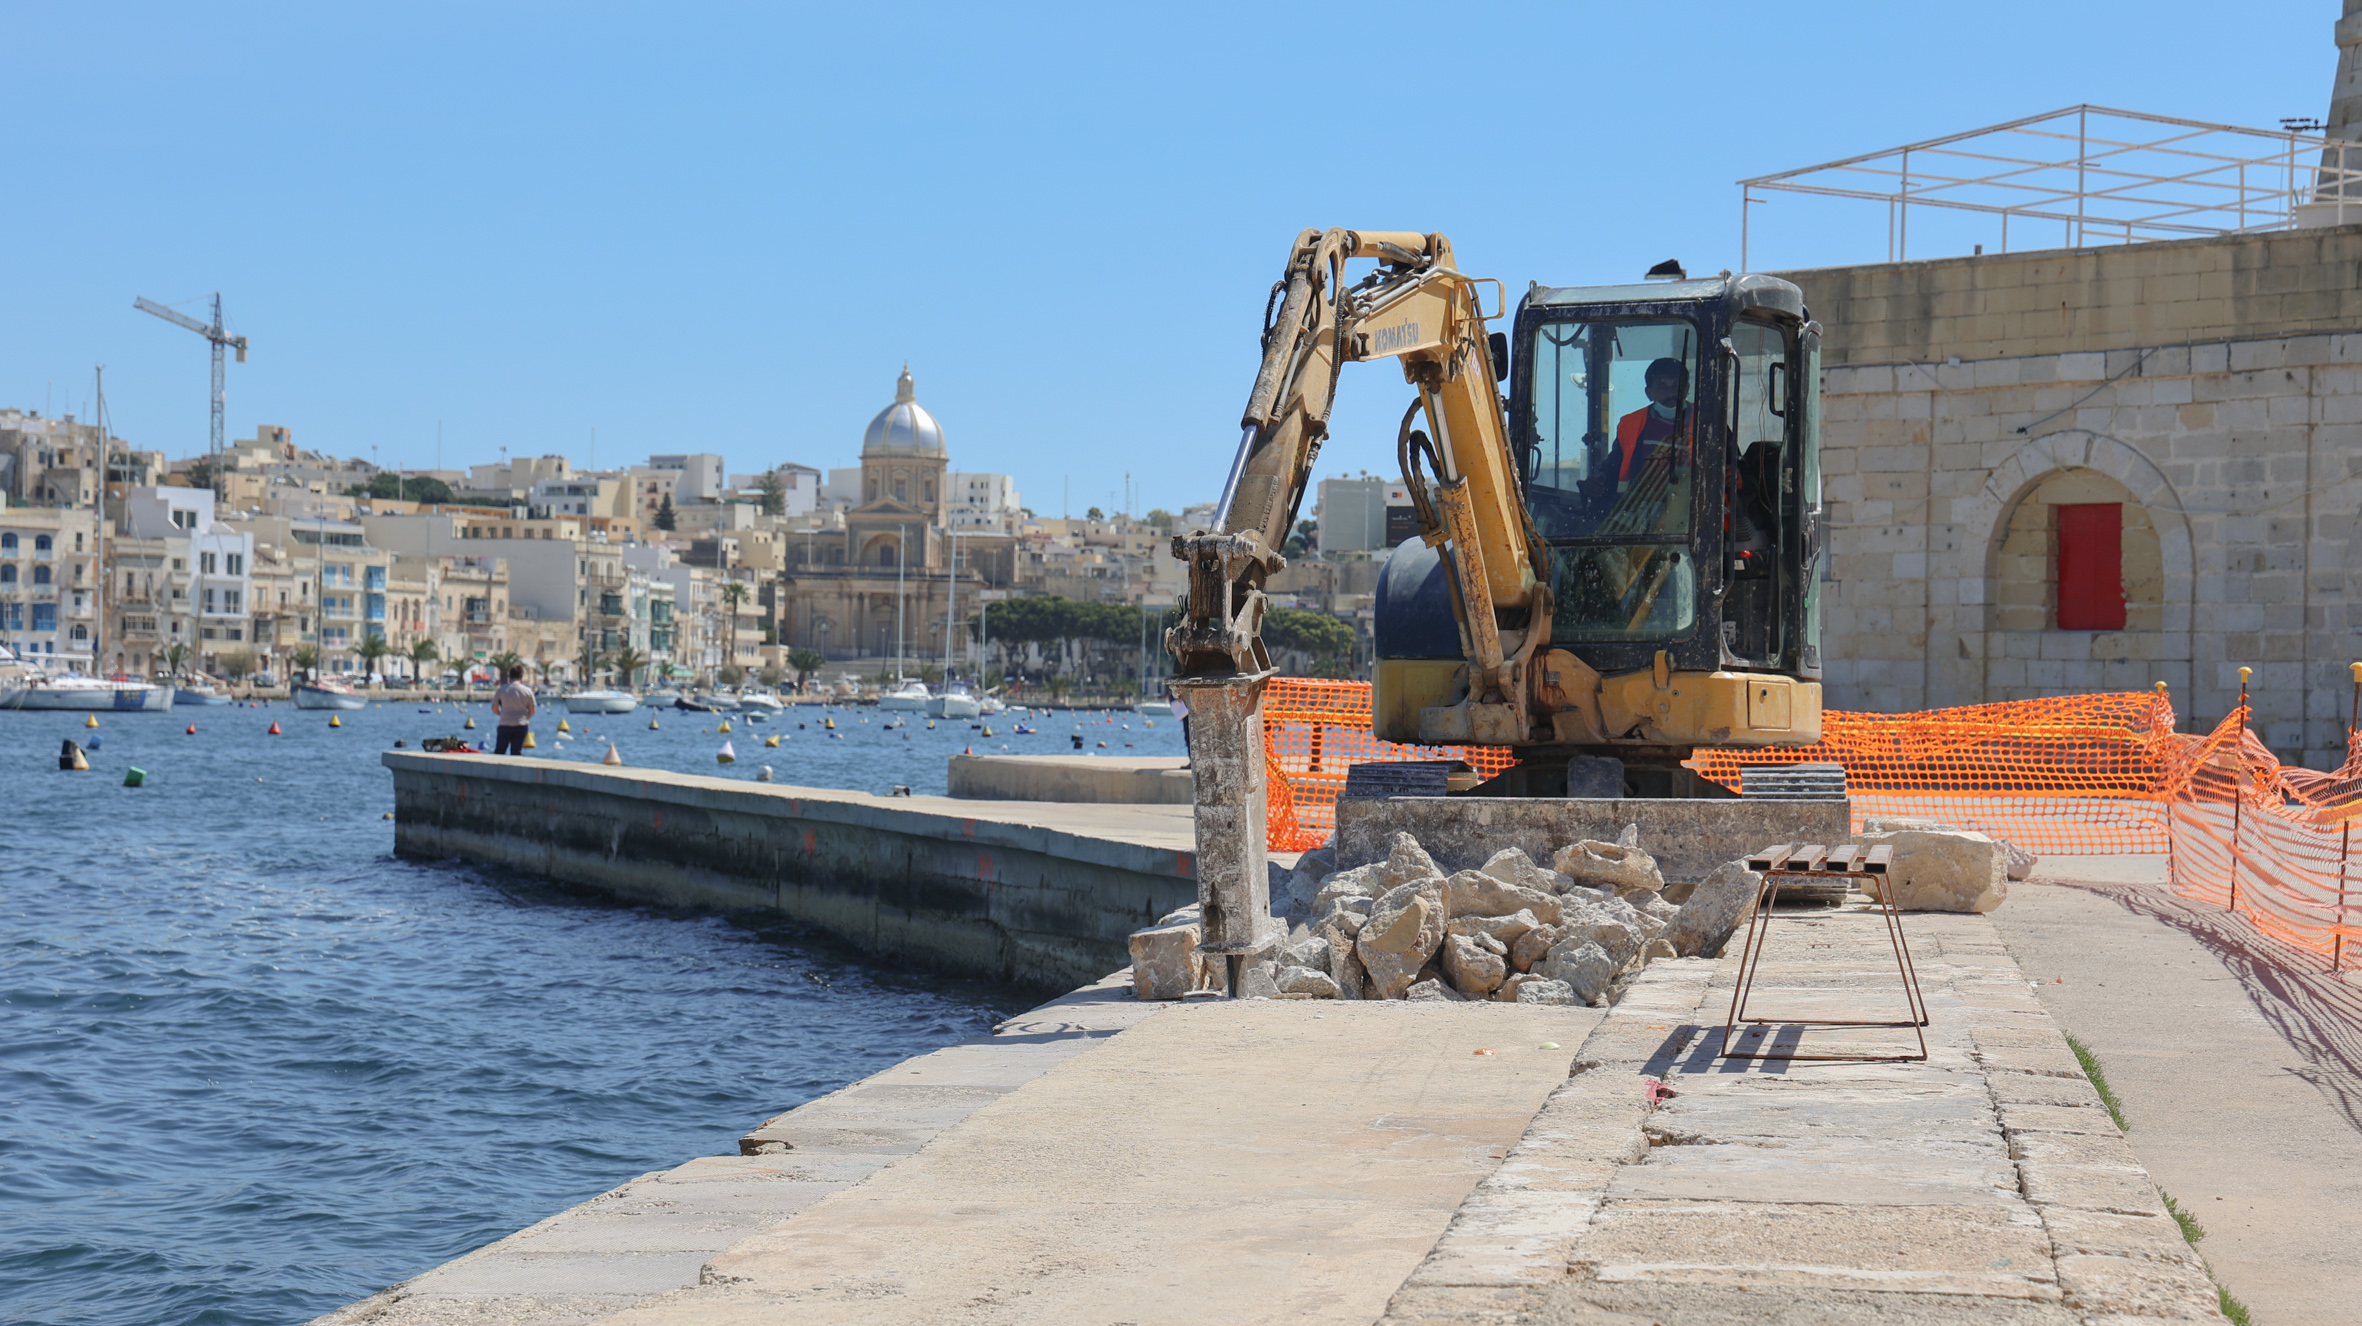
(956, 701)
(199, 693)
(75, 692)
(760, 702)
(327, 694)
(912, 695)
(601, 702)
(1154, 708)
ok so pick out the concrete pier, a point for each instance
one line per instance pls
(1022, 891)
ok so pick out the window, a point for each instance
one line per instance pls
(234, 564)
(184, 519)
(13, 616)
(2089, 537)
(205, 563)
(44, 616)
(7, 543)
(210, 601)
(40, 543)
(40, 575)
(1609, 469)
(8, 574)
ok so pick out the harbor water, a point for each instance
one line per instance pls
(252, 1067)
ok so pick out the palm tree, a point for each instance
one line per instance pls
(176, 657)
(806, 661)
(306, 660)
(501, 663)
(372, 648)
(627, 661)
(586, 664)
(422, 652)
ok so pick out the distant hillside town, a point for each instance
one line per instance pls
(268, 559)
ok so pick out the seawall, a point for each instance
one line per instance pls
(1019, 891)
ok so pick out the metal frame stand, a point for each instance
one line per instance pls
(1789, 865)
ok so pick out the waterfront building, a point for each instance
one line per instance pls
(183, 577)
(48, 462)
(48, 578)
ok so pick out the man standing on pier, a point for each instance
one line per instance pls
(513, 707)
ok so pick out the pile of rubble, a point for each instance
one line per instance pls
(1512, 931)
(1509, 931)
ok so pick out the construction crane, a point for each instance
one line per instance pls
(218, 337)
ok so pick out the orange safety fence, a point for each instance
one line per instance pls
(2063, 776)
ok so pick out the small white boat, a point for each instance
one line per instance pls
(990, 706)
(1154, 708)
(756, 702)
(75, 692)
(601, 702)
(911, 695)
(956, 701)
(327, 694)
(720, 702)
(199, 693)
(661, 697)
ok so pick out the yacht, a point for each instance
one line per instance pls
(199, 692)
(991, 706)
(327, 693)
(758, 702)
(660, 697)
(1154, 708)
(912, 695)
(601, 702)
(958, 700)
(73, 691)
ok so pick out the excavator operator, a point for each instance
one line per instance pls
(1638, 434)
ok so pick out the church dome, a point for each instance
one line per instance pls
(905, 427)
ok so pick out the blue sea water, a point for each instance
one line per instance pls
(253, 1067)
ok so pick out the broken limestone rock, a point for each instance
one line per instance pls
(1941, 870)
(1306, 981)
(1655, 949)
(1583, 966)
(1403, 932)
(1260, 981)
(1475, 893)
(1609, 866)
(1533, 946)
(1630, 837)
(1511, 865)
(1306, 951)
(1507, 929)
(1165, 961)
(1472, 968)
(1620, 941)
(1537, 990)
(1719, 905)
(1345, 967)
(1361, 882)
(2021, 861)
(1432, 989)
(1405, 862)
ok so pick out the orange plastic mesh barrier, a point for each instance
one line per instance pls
(2069, 775)
(2274, 844)
(1313, 731)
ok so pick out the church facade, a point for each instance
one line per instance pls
(886, 586)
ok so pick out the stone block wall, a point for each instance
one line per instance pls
(2240, 466)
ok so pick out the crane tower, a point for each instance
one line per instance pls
(219, 338)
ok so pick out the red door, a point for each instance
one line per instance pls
(2091, 566)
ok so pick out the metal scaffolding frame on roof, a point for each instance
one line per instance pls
(2106, 175)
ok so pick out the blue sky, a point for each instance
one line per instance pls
(710, 228)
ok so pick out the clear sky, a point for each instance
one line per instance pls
(712, 228)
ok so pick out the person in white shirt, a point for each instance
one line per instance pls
(513, 707)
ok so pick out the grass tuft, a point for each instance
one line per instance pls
(2099, 1082)
(2232, 1308)
(2192, 1231)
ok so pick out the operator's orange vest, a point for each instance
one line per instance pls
(1628, 437)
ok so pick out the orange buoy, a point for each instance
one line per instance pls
(274, 729)
(192, 729)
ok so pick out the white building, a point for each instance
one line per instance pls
(702, 478)
(986, 502)
(218, 562)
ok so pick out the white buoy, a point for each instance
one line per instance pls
(612, 757)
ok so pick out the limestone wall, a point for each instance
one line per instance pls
(2239, 461)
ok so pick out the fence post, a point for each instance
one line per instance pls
(2173, 878)
(2238, 784)
(2345, 833)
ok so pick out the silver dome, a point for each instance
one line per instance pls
(905, 426)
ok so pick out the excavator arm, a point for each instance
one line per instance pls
(1416, 306)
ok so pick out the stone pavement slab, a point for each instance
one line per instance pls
(1984, 1184)
(1255, 1161)
(2239, 1062)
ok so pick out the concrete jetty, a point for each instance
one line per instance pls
(1287, 1160)
(1027, 891)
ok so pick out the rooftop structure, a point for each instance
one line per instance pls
(2087, 175)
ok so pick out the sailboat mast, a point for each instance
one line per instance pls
(901, 561)
(98, 594)
(951, 596)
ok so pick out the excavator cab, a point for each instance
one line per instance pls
(1666, 444)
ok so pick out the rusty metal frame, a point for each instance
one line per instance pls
(1789, 864)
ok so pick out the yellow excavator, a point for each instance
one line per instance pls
(1615, 562)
